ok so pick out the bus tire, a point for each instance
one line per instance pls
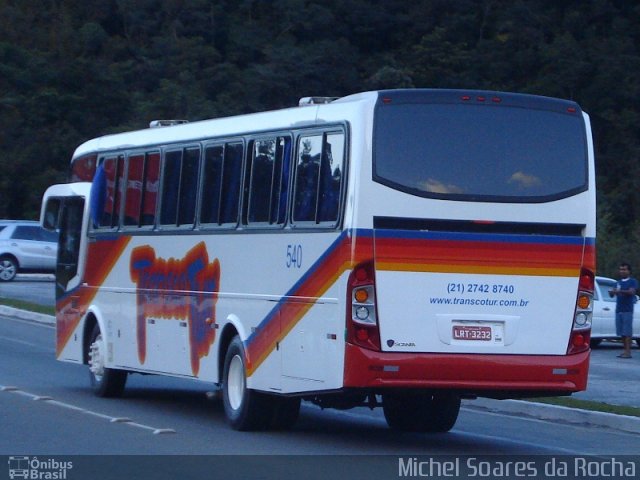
(421, 412)
(245, 409)
(105, 382)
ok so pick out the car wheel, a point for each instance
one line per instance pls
(8, 268)
(594, 342)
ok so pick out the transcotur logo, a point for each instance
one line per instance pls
(36, 469)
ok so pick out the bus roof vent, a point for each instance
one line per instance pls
(166, 123)
(306, 101)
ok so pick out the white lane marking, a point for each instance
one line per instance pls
(69, 406)
(29, 322)
(21, 342)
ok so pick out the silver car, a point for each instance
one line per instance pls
(26, 247)
(603, 326)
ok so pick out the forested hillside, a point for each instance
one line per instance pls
(75, 69)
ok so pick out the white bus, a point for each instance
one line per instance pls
(401, 248)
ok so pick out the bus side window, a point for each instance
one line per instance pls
(133, 192)
(307, 175)
(231, 182)
(170, 187)
(269, 180)
(113, 171)
(150, 189)
(119, 192)
(281, 181)
(188, 186)
(83, 169)
(212, 184)
(318, 181)
(262, 175)
(331, 177)
(221, 184)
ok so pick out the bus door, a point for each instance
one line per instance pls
(69, 244)
(64, 210)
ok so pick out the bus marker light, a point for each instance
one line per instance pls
(584, 301)
(361, 295)
(362, 334)
(587, 280)
(578, 340)
(362, 313)
(361, 274)
(484, 222)
(582, 319)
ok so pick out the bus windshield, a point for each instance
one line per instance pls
(482, 152)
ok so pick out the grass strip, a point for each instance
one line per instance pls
(589, 405)
(31, 307)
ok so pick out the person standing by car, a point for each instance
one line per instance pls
(625, 293)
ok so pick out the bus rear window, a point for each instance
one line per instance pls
(473, 152)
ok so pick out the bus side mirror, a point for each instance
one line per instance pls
(50, 214)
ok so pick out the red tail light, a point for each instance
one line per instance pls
(581, 330)
(587, 280)
(362, 315)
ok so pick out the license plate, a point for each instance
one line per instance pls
(469, 332)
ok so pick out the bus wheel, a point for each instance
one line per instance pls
(244, 408)
(105, 382)
(419, 412)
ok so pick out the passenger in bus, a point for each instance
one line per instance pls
(625, 293)
(261, 183)
(330, 188)
(307, 184)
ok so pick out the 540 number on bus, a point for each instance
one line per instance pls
(480, 288)
(294, 256)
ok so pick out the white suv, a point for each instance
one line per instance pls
(26, 247)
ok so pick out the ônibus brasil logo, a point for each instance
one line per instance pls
(38, 469)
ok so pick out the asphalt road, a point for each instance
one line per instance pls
(611, 380)
(33, 423)
(46, 408)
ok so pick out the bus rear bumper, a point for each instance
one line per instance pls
(497, 376)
